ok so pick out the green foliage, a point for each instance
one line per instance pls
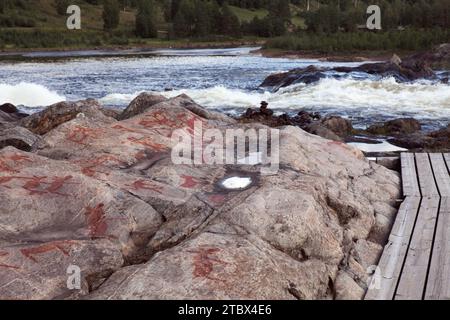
(145, 19)
(111, 14)
(410, 39)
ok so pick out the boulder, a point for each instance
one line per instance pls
(338, 125)
(17, 137)
(396, 127)
(106, 196)
(140, 104)
(59, 113)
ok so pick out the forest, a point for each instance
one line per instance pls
(321, 25)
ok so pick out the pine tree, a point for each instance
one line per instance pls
(111, 14)
(145, 19)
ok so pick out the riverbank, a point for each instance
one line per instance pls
(123, 50)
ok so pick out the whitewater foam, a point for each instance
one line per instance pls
(28, 94)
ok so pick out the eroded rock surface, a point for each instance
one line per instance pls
(104, 195)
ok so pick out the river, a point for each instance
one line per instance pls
(223, 79)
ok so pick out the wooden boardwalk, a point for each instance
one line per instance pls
(415, 264)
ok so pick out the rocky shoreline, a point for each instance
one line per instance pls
(404, 133)
(85, 187)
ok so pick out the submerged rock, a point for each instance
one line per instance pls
(105, 196)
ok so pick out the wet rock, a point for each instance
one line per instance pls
(8, 108)
(435, 141)
(396, 127)
(59, 113)
(140, 104)
(307, 75)
(106, 193)
(418, 66)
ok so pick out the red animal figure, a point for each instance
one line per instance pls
(2, 265)
(91, 169)
(146, 142)
(20, 158)
(48, 247)
(96, 221)
(36, 185)
(80, 135)
(146, 185)
(204, 261)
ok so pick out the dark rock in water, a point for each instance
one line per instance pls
(435, 141)
(396, 127)
(141, 104)
(9, 113)
(411, 68)
(8, 108)
(59, 113)
(18, 137)
(307, 75)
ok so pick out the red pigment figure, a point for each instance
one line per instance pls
(146, 185)
(189, 182)
(4, 254)
(80, 134)
(96, 221)
(4, 167)
(19, 158)
(217, 198)
(34, 185)
(204, 261)
(157, 118)
(90, 169)
(48, 247)
(146, 142)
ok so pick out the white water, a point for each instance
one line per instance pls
(365, 97)
(28, 94)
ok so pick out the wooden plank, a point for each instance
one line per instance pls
(414, 274)
(409, 176)
(447, 159)
(441, 174)
(438, 286)
(426, 178)
(394, 253)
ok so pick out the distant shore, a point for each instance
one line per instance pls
(150, 48)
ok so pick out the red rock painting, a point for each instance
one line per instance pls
(148, 143)
(190, 182)
(96, 221)
(61, 246)
(204, 261)
(40, 185)
(3, 265)
(146, 185)
(90, 167)
(81, 135)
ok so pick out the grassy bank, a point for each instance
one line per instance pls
(405, 40)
